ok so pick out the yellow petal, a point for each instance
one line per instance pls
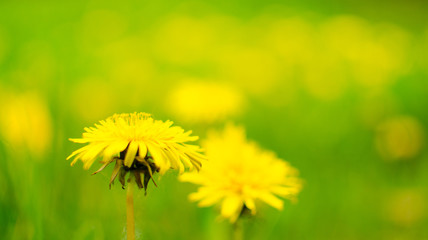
(93, 151)
(175, 161)
(79, 140)
(249, 202)
(159, 158)
(91, 155)
(231, 207)
(192, 177)
(113, 149)
(76, 158)
(200, 194)
(183, 157)
(271, 200)
(285, 191)
(82, 149)
(131, 153)
(211, 199)
(142, 150)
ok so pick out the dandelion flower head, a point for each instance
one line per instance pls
(239, 174)
(140, 145)
(26, 122)
(400, 138)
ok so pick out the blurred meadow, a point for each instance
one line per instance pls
(338, 89)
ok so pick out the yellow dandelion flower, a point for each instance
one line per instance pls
(405, 207)
(239, 172)
(399, 138)
(140, 145)
(26, 122)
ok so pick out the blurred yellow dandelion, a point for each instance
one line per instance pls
(205, 102)
(239, 172)
(345, 35)
(26, 122)
(406, 207)
(399, 138)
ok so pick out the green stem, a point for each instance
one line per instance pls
(130, 224)
(238, 233)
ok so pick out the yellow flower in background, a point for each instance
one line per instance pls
(345, 35)
(139, 144)
(239, 173)
(205, 102)
(405, 207)
(399, 138)
(26, 122)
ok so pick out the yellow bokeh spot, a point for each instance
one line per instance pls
(345, 35)
(399, 138)
(194, 101)
(26, 123)
(406, 207)
(376, 66)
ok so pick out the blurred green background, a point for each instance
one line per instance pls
(339, 89)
